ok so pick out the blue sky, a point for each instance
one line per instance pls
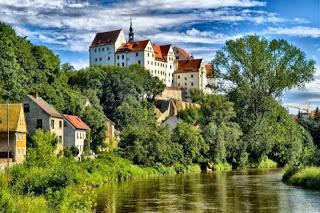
(199, 26)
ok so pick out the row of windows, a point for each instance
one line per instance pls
(81, 135)
(186, 84)
(52, 124)
(159, 64)
(101, 49)
(161, 73)
(118, 64)
(185, 78)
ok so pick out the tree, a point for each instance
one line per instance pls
(260, 70)
(317, 114)
(193, 145)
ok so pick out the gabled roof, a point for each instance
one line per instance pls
(133, 46)
(76, 122)
(209, 70)
(47, 108)
(15, 111)
(192, 65)
(105, 38)
(178, 50)
(161, 51)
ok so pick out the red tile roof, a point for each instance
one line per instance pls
(192, 65)
(76, 122)
(209, 70)
(161, 51)
(105, 38)
(182, 52)
(45, 106)
(133, 46)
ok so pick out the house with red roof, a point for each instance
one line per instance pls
(162, 61)
(75, 132)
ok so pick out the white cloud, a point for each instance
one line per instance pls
(301, 31)
(80, 63)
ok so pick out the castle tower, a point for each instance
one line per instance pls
(131, 33)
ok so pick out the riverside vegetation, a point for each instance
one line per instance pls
(245, 127)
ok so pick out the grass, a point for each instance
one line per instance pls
(267, 164)
(222, 167)
(305, 177)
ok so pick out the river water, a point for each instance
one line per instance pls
(236, 191)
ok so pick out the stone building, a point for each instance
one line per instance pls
(41, 115)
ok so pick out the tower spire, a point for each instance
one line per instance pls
(131, 33)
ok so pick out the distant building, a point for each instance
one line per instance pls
(17, 132)
(41, 115)
(75, 132)
(162, 61)
(112, 135)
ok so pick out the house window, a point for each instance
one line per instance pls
(60, 124)
(148, 54)
(118, 64)
(95, 50)
(151, 62)
(185, 84)
(178, 76)
(122, 64)
(178, 84)
(39, 123)
(100, 58)
(191, 83)
(122, 56)
(107, 48)
(96, 59)
(77, 135)
(26, 107)
(191, 76)
(108, 58)
(137, 54)
(99, 49)
(102, 49)
(52, 124)
(170, 66)
(60, 138)
(118, 57)
(185, 78)
(139, 62)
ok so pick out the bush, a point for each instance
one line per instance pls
(222, 167)
(290, 172)
(267, 164)
(308, 178)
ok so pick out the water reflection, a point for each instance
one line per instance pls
(237, 191)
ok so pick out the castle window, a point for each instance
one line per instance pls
(185, 78)
(118, 57)
(122, 56)
(118, 64)
(151, 62)
(178, 84)
(137, 54)
(122, 64)
(139, 62)
(100, 58)
(99, 49)
(108, 58)
(95, 50)
(102, 49)
(170, 66)
(191, 76)
(148, 62)
(178, 76)
(191, 83)
(185, 84)
(96, 59)
(107, 48)
(148, 54)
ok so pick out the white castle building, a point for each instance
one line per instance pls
(172, 65)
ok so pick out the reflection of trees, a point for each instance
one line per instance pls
(237, 191)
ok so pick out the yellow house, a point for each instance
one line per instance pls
(17, 132)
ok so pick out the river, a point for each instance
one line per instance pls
(236, 191)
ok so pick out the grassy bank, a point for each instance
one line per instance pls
(305, 177)
(64, 184)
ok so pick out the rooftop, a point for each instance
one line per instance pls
(105, 38)
(45, 106)
(76, 122)
(15, 111)
(191, 65)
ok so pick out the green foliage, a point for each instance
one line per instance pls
(306, 177)
(147, 144)
(267, 164)
(222, 167)
(191, 141)
(191, 116)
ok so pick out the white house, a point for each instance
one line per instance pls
(162, 61)
(75, 132)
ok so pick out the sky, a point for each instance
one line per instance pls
(199, 26)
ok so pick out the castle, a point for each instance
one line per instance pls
(172, 65)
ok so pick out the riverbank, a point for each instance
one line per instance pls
(308, 177)
(67, 185)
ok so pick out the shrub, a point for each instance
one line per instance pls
(308, 178)
(267, 164)
(222, 167)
